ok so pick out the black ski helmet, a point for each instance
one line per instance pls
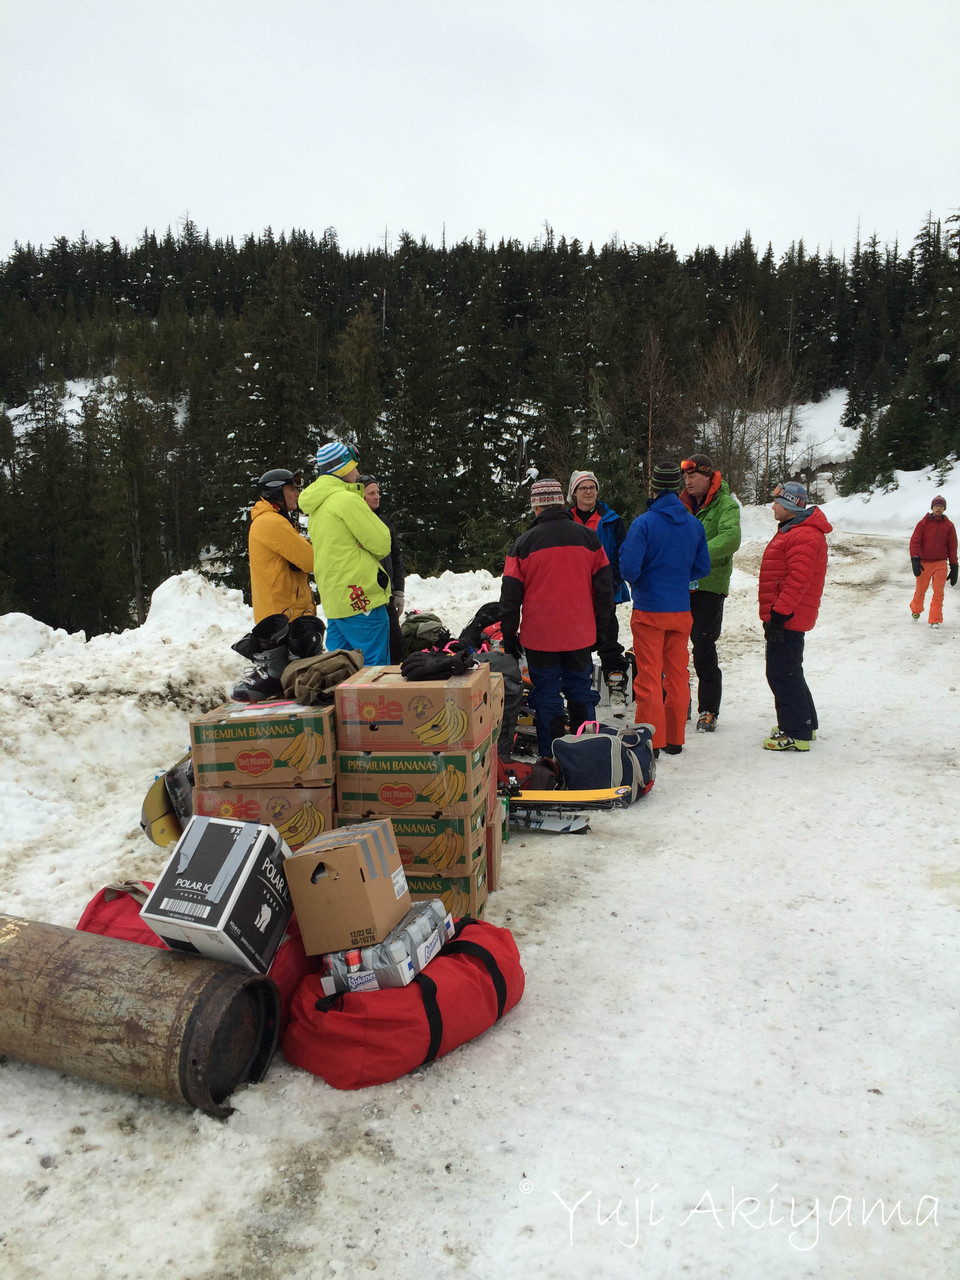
(270, 485)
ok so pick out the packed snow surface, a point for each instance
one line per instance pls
(737, 1050)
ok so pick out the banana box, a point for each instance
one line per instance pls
(298, 813)
(461, 895)
(377, 710)
(264, 745)
(441, 784)
(428, 845)
(494, 838)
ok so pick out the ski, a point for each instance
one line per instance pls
(563, 823)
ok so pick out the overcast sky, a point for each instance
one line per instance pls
(693, 120)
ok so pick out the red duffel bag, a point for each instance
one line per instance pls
(362, 1038)
(115, 913)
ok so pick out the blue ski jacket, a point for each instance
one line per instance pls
(665, 550)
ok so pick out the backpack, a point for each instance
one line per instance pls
(598, 756)
(487, 616)
(422, 631)
(361, 1038)
(522, 775)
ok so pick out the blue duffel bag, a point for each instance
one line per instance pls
(598, 756)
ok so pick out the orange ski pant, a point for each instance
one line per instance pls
(934, 571)
(661, 685)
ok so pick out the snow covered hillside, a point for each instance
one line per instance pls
(740, 1023)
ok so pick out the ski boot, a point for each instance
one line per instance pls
(266, 647)
(617, 688)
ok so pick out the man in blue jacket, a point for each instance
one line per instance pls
(664, 552)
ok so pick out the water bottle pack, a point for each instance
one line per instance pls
(406, 950)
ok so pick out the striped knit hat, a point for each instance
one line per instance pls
(336, 459)
(666, 478)
(546, 493)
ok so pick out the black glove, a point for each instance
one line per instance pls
(512, 645)
(773, 629)
(917, 564)
(952, 576)
(431, 664)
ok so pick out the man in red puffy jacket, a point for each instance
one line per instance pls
(792, 573)
(932, 547)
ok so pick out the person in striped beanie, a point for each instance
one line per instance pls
(349, 541)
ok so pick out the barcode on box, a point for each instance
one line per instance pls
(196, 909)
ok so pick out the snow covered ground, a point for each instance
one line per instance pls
(736, 1054)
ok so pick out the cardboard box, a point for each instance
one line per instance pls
(427, 845)
(348, 887)
(265, 745)
(497, 701)
(494, 837)
(223, 893)
(298, 813)
(377, 710)
(427, 783)
(461, 895)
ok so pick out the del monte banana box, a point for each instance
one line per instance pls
(298, 813)
(377, 710)
(427, 783)
(461, 895)
(428, 845)
(266, 744)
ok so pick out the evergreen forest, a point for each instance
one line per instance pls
(458, 371)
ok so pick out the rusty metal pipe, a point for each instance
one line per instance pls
(179, 1027)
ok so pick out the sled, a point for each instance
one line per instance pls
(168, 804)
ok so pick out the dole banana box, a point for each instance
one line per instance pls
(298, 813)
(266, 744)
(443, 784)
(461, 895)
(377, 710)
(428, 845)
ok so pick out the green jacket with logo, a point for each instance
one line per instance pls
(349, 541)
(719, 513)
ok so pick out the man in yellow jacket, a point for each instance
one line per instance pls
(281, 558)
(349, 541)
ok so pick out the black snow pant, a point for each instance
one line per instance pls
(707, 610)
(796, 714)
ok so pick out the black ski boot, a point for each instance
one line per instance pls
(269, 653)
(305, 637)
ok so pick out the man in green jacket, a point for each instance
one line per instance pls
(349, 541)
(707, 496)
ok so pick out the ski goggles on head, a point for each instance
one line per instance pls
(795, 498)
(688, 467)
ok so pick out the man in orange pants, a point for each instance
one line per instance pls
(664, 555)
(932, 547)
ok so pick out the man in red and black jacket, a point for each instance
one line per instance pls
(557, 576)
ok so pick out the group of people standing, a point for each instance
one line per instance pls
(560, 584)
(562, 581)
(359, 572)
